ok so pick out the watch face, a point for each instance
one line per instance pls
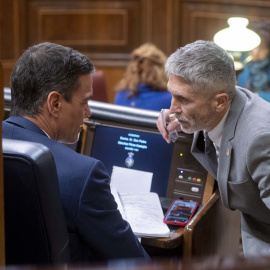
(129, 160)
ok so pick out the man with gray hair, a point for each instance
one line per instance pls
(206, 102)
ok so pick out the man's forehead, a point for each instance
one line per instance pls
(178, 78)
(179, 87)
(176, 84)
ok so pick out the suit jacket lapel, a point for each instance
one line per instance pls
(226, 148)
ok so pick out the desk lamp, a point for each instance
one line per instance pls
(236, 39)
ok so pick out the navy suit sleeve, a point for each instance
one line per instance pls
(101, 224)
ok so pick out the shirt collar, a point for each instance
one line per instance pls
(216, 134)
(46, 133)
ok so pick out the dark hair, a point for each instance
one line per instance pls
(44, 68)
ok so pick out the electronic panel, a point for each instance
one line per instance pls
(119, 136)
(138, 150)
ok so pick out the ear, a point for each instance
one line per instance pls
(221, 101)
(54, 103)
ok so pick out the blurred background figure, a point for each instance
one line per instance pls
(256, 73)
(144, 84)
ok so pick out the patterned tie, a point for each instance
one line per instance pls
(210, 153)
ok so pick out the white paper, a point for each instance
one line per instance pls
(130, 180)
(140, 207)
(143, 212)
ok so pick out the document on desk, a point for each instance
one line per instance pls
(129, 180)
(140, 207)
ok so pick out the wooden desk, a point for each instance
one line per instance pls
(214, 230)
(174, 241)
(176, 238)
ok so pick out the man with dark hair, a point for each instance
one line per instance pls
(231, 134)
(50, 89)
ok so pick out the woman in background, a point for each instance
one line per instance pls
(144, 84)
(256, 73)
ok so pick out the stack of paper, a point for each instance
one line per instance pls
(140, 207)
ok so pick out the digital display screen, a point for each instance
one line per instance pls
(137, 150)
(180, 211)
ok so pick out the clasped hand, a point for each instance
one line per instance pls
(168, 126)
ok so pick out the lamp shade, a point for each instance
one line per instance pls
(237, 37)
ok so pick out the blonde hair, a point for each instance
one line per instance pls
(146, 67)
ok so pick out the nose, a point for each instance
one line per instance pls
(175, 106)
(87, 112)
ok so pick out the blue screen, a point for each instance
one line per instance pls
(137, 150)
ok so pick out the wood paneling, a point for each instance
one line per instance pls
(202, 19)
(112, 77)
(107, 31)
(50, 24)
(89, 26)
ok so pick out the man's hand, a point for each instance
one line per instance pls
(168, 126)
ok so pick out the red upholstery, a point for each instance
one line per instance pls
(99, 87)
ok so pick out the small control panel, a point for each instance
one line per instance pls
(190, 176)
(189, 184)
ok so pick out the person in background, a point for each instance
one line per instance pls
(231, 134)
(256, 73)
(50, 89)
(144, 84)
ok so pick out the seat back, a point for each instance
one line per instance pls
(99, 87)
(35, 227)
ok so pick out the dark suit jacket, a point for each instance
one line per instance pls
(95, 226)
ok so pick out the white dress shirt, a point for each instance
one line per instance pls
(215, 134)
